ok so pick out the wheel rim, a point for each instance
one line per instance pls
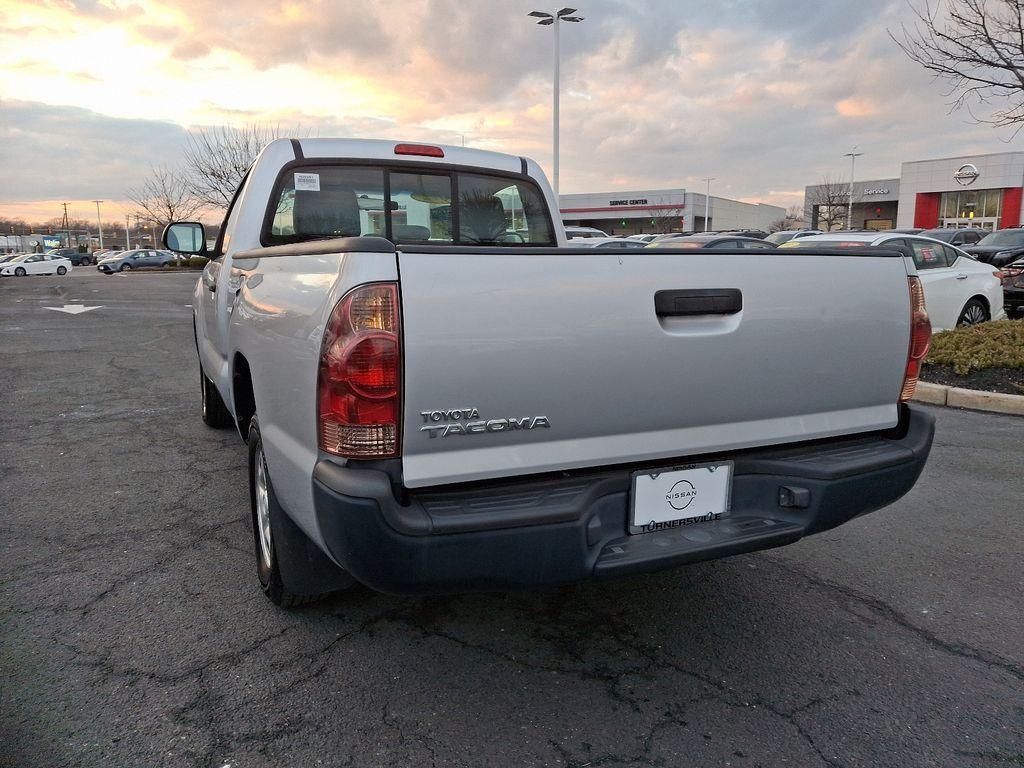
(973, 315)
(263, 511)
(61, 271)
(126, 266)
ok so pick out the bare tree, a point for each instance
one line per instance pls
(666, 217)
(216, 159)
(164, 197)
(977, 48)
(830, 197)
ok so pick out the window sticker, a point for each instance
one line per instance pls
(307, 182)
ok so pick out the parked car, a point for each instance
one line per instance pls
(128, 260)
(4, 258)
(464, 413)
(36, 264)
(784, 236)
(902, 231)
(606, 242)
(100, 255)
(958, 289)
(957, 237)
(73, 255)
(645, 238)
(1000, 247)
(1013, 288)
(575, 232)
(760, 234)
(714, 241)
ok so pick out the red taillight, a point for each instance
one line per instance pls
(920, 339)
(426, 150)
(359, 384)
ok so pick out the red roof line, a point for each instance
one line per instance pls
(624, 208)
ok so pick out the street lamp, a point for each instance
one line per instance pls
(546, 19)
(707, 202)
(99, 224)
(849, 203)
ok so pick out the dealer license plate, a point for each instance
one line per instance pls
(680, 496)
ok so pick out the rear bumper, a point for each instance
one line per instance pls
(574, 527)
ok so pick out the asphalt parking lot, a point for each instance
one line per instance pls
(133, 631)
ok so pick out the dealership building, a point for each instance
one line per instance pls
(663, 210)
(968, 191)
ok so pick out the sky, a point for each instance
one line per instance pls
(765, 96)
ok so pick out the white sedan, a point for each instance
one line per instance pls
(36, 264)
(958, 289)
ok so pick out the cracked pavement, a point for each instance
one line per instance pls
(133, 631)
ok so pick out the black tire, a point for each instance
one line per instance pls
(973, 313)
(215, 412)
(62, 270)
(86, 262)
(275, 534)
(125, 268)
(20, 272)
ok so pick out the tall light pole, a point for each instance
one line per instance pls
(99, 224)
(707, 202)
(546, 19)
(127, 236)
(853, 166)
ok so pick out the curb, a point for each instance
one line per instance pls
(956, 397)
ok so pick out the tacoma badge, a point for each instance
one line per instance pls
(456, 421)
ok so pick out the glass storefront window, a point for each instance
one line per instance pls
(969, 205)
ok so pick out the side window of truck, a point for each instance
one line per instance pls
(497, 211)
(328, 201)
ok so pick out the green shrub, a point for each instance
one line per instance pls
(197, 262)
(989, 345)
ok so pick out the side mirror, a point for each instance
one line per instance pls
(185, 237)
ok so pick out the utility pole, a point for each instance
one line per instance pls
(552, 20)
(707, 202)
(66, 226)
(853, 155)
(127, 236)
(99, 224)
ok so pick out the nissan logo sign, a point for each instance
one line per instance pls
(966, 174)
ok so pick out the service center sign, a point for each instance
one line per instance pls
(634, 201)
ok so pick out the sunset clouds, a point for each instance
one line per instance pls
(765, 96)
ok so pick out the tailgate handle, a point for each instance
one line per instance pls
(698, 301)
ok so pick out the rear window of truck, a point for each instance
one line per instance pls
(406, 205)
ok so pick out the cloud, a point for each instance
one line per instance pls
(766, 96)
(74, 153)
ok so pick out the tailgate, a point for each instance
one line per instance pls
(524, 361)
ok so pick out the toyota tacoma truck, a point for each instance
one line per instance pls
(438, 395)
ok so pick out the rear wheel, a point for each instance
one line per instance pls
(62, 270)
(215, 412)
(974, 312)
(279, 542)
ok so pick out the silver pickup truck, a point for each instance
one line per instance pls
(438, 395)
